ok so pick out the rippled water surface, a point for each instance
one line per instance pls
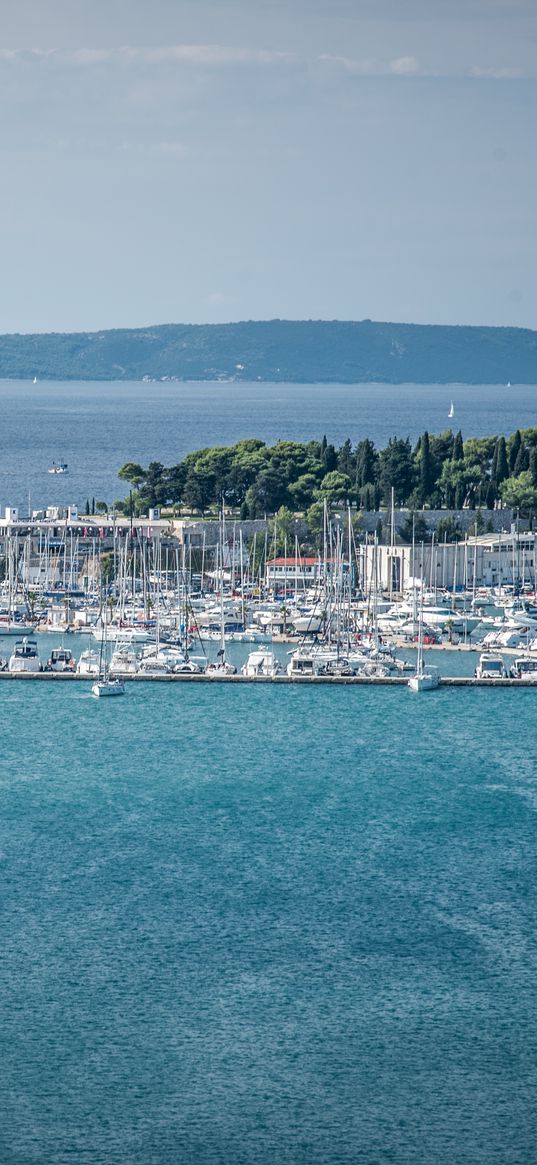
(262, 924)
(97, 427)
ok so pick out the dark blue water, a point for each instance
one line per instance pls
(97, 427)
(249, 925)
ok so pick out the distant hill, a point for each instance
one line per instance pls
(279, 350)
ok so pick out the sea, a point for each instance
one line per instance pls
(261, 925)
(97, 427)
(253, 924)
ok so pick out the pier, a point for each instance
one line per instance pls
(212, 678)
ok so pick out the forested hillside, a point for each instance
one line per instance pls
(279, 350)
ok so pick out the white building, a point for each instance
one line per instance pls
(488, 560)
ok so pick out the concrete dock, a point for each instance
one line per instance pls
(379, 681)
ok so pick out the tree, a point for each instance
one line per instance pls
(198, 491)
(267, 493)
(415, 527)
(336, 487)
(396, 470)
(346, 461)
(329, 458)
(458, 447)
(426, 471)
(500, 465)
(519, 493)
(533, 465)
(133, 473)
(448, 530)
(366, 463)
(302, 491)
(515, 443)
(522, 460)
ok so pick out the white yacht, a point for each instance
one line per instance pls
(62, 467)
(88, 664)
(490, 667)
(261, 663)
(108, 687)
(125, 660)
(524, 668)
(61, 659)
(301, 663)
(25, 657)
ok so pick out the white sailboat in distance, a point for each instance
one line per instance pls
(451, 411)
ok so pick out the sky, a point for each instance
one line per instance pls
(211, 160)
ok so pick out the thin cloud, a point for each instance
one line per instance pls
(204, 55)
(497, 74)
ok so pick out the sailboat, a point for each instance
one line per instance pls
(451, 411)
(105, 685)
(221, 666)
(425, 678)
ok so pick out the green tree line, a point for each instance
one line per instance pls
(439, 471)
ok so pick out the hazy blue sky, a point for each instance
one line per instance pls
(208, 160)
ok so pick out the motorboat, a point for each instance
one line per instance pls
(108, 687)
(62, 467)
(524, 669)
(61, 660)
(261, 663)
(490, 667)
(302, 663)
(88, 664)
(125, 660)
(25, 657)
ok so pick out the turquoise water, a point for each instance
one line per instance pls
(268, 925)
(97, 427)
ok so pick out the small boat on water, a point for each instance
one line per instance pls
(451, 413)
(426, 677)
(62, 467)
(108, 687)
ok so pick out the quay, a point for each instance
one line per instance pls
(212, 678)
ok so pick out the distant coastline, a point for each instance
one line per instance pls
(279, 351)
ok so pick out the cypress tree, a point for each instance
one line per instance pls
(366, 463)
(514, 448)
(426, 470)
(500, 465)
(491, 495)
(87, 510)
(533, 466)
(522, 461)
(458, 448)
